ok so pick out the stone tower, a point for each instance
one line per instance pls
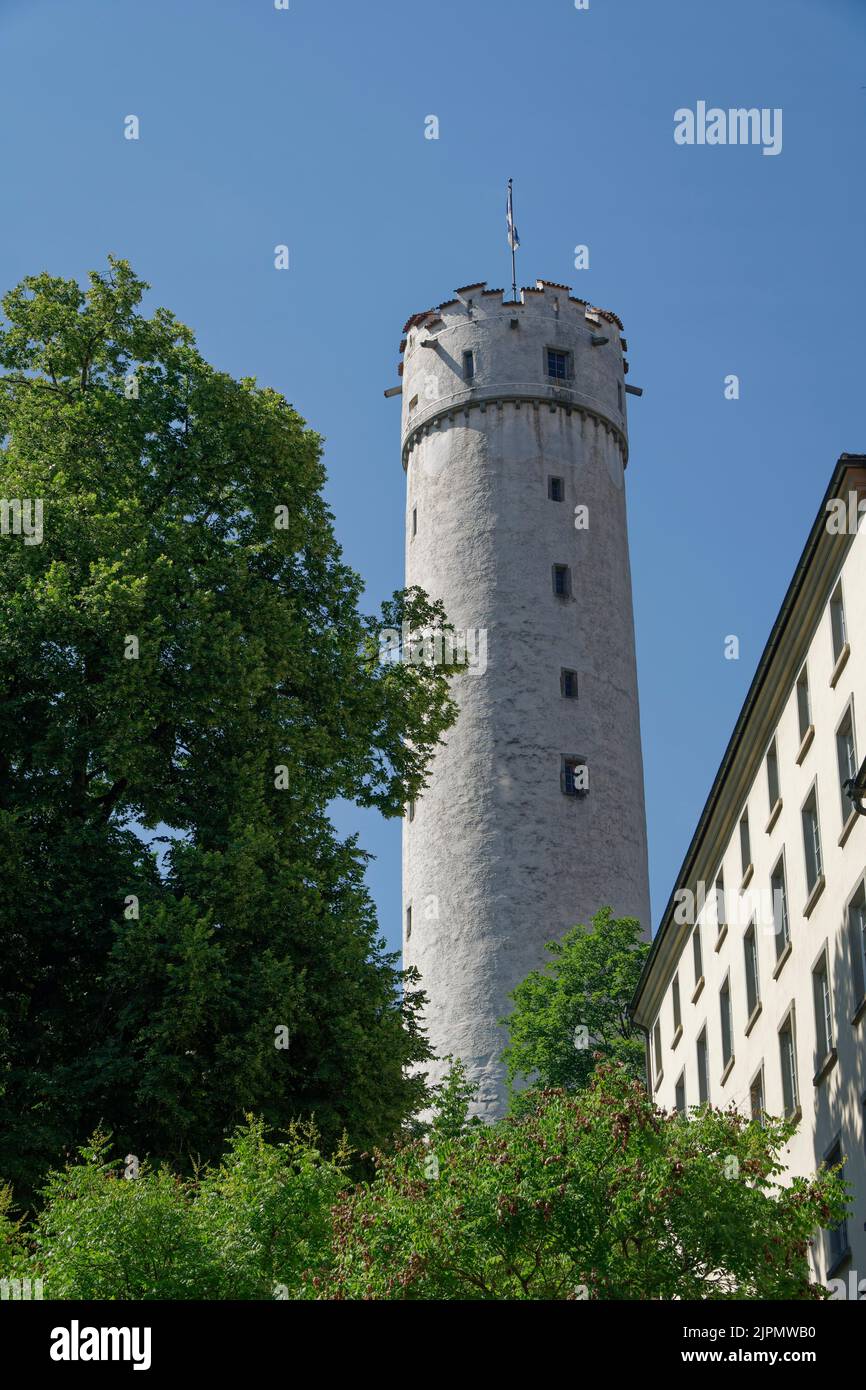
(514, 442)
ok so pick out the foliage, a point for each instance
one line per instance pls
(593, 1195)
(183, 509)
(596, 1195)
(587, 986)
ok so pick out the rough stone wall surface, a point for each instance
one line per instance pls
(497, 860)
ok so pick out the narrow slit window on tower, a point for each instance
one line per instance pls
(558, 364)
(561, 581)
(568, 684)
(555, 489)
(408, 921)
(468, 364)
(414, 521)
(574, 776)
(619, 395)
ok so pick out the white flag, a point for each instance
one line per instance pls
(513, 238)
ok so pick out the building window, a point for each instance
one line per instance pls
(756, 1098)
(680, 1095)
(657, 1050)
(779, 890)
(411, 811)
(408, 921)
(574, 776)
(721, 910)
(414, 521)
(698, 954)
(703, 1069)
(837, 1236)
(727, 1022)
(812, 840)
(857, 941)
(773, 774)
(619, 395)
(745, 845)
(555, 489)
(675, 995)
(753, 982)
(846, 756)
(823, 1011)
(468, 365)
(804, 704)
(558, 364)
(412, 404)
(561, 581)
(568, 684)
(788, 1060)
(838, 626)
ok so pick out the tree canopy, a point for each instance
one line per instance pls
(182, 655)
(576, 1009)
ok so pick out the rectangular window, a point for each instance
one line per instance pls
(657, 1049)
(823, 1011)
(698, 955)
(837, 623)
(756, 1097)
(703, 1069)
(619, 395)
(414, 521)
(675, 995)
(846, 756)
(837, 1236)
(557, 364)
(561, 581)
(568, 684)
(812, 840)
(779, 890)
(753, 983)
(680, 1096)
(408, 921)
(721, 910)
(788, 1061)
(773, 774)
(857, 941)
(745, 844)
(411, 811)
(804, 704)
(468, 365)
(727, 1023)
(574, 777)
(555, 489)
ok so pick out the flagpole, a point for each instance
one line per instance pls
(513, 248)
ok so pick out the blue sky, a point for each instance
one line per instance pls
(306, 127)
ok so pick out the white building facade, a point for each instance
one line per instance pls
(755, 990)
(514, 442)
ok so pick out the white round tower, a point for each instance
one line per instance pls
(514, 444)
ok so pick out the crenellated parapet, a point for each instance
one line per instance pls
(479, 350)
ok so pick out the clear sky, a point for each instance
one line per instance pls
(306, 127)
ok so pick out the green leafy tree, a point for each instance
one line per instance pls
(255, 1226)
(182, 652)
(594, 1195)
(575, 1010)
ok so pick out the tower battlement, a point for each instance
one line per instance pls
(479, 349)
